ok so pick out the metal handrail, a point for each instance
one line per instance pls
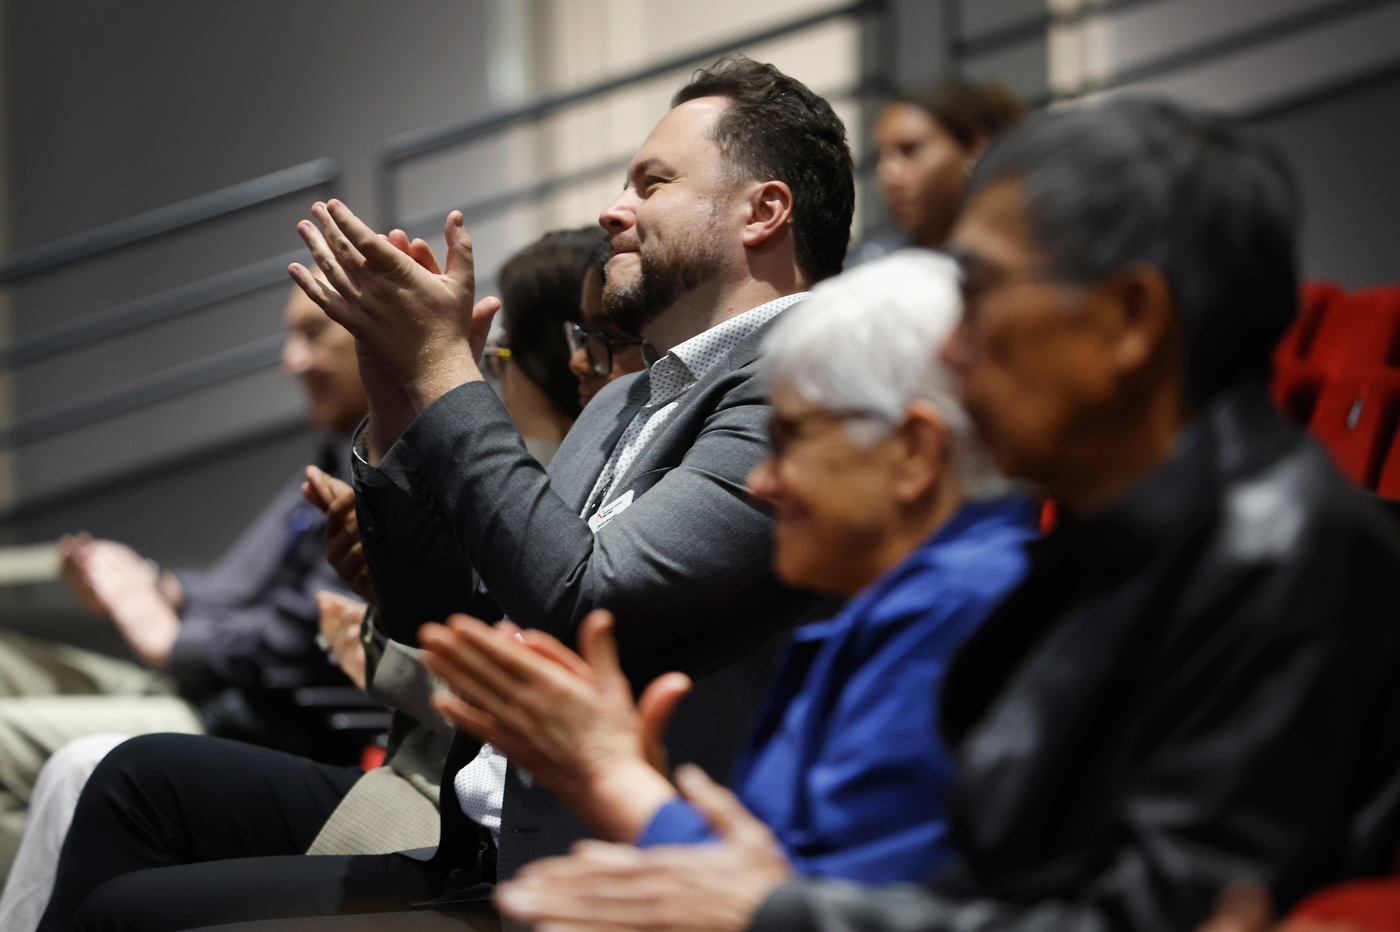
(214, 451)
(1225, 46)
(419, 142)
(137, 393)
(167, 219)
(150, 309)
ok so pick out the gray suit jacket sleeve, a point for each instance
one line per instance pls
(691, 547)
(403, 684)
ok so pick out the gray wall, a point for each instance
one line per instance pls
(119, 108)
(1320, 79)
(1345, 150)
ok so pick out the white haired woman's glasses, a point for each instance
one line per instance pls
(783, 431)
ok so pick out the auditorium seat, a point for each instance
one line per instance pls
(1358, 906)
(1337, 370)
(1355, 418)
(1357, 332)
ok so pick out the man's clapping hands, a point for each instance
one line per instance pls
(419, 331)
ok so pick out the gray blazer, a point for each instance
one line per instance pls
(459, 517)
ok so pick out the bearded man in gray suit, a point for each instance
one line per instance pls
(740, 199)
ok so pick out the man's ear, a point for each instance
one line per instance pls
(769, 210)
(1142, 315)
(922, 451)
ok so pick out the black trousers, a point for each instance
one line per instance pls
(177, 832)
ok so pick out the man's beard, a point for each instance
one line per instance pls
(667, 274)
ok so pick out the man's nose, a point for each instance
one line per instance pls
(579, 364)
(762, 479)
(618, 215)
(954, 352)
(296, 356)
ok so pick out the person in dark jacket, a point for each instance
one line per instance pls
(223, 649)
(1197, 681)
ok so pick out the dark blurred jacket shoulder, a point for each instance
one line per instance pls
(1196, 684)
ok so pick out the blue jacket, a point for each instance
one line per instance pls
(846, 764)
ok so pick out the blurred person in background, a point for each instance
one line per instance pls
(602, 352)
(541, 290)
(883, 496)
(928, 143)
(222, 650)
(1196, 682)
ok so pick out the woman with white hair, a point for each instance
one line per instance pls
(880, 493)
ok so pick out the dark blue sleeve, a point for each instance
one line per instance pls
(676, 823)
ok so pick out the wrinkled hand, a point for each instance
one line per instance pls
(677, 888)
(566, 718)
(112, 580)
(336, 500)
(341, 619)
(423, 328)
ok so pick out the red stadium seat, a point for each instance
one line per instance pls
(1337, 370)
(1355, 420)
(1356, 333)
(1314, 300)
(1359, 905)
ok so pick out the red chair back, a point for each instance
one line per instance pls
(1337, 370)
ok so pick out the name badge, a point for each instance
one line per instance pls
(609, 511)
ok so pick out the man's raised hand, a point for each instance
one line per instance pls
(421, 326)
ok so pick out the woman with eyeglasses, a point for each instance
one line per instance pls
(541, 288)
(600, 351)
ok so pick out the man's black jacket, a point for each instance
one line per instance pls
(1197, 684)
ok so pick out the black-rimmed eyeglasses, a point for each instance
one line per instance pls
(598, 344)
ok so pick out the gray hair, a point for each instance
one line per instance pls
(868, 340)
(1134, 180)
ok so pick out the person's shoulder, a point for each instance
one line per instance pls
(971, 568)
(1299, 509)
(987, 551)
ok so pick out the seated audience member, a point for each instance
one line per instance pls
(739, 200)
(541, 290)
(1196, 681)
(601, 352)
(881, 494)
(927, 144)
(214, 632)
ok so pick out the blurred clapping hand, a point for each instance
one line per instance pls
(341, 620)
(113, 581)
(336, 500)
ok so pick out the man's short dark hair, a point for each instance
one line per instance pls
(775, 129)
(1141, 180)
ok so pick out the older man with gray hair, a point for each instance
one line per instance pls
(881, 493)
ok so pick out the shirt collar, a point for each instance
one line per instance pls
(689, 362)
